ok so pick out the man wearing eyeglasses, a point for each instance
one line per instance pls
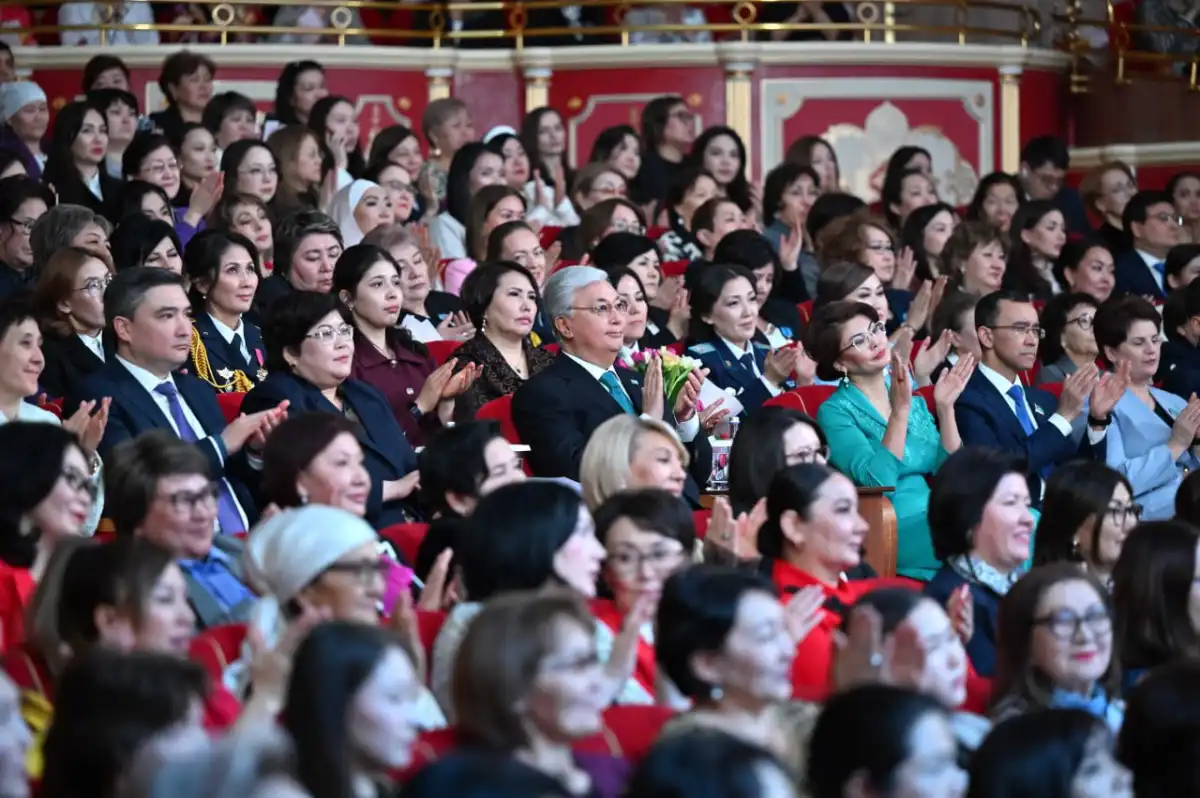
(1150, 219)
(559, 408)
(997, 411)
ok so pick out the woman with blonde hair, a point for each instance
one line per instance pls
(628, 452)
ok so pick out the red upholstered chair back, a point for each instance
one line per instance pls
(231, 405)
(926, 393)
(501, 410)
(805, 309)
(429, 623)
(548, 236)
(441, 351)
(406, 538)
(700, 520)
(215, 648)
(806, 399)
(52, 406)
(1054, 388)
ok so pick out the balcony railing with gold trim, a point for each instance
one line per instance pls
(1127, 58)
(955, 20)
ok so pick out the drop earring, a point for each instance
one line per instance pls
(483, 325)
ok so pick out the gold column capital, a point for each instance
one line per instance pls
(438, 80)
(537, 87)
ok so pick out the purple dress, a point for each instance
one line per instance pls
(609, 773)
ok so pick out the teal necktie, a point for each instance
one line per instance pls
(613, 386)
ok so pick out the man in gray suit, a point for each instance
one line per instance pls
(162, 489)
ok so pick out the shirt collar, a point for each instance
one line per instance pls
(734, 348)
(93, 342)
(214, 557)
(144, 378)
(995, 378)
(1150, 260)
(94, 186)
(591, 368)
(227, 332)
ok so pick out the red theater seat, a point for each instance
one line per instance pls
(231, 405)
(806, 399)
(805, 309)
(501, 410)
(406, 538)
(217, 647)
(926, 393)
(441, 351)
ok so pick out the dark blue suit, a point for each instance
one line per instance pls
(985, 419)
(558, 409)
(388, 455)
(1069, 201)
(1134, 277)
(1179, 371)
(134, 411)
(981, 650)
(725, 370)
(223, 357)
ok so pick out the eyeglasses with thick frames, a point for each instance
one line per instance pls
(604, 309)
(25, 226)
(188, 500)
(1124, 514)
(1065, 625)
(366, 571)
(327, 333)
(861, 340)
(660, 558)
(1023, 330)
(79, 481)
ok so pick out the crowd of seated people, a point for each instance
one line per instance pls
(481, 474)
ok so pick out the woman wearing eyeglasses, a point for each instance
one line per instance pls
(879, 436)
(309, 339)
(1152, 434)
(1087, 513)
(69, 304)
(48, 494)
(1069, 343)
(1056, 647)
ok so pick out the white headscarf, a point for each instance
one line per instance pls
(15, 96)
(285, 554)
(342, 210)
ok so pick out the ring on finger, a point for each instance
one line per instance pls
(876, 660)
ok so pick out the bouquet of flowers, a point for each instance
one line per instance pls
(675, 369)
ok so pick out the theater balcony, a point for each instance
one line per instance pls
(967, 79)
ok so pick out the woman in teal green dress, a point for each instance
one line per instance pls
(879, 434)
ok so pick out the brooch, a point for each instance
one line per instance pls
(225, 374)
(262, 374)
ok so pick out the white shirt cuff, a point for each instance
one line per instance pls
(1061, 424)
(1094, 436)
(688, 430)
(772, 387)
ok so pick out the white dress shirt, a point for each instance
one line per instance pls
(1004, 386)
(93, 184)
(150, 382)
(132, 12)
(738, 352)
(228, 332)
(688, 430)
(95, 343)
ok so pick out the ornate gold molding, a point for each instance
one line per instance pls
(1010, 118)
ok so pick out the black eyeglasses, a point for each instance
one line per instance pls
(1121, 515)
(1084, 322)
(188, 500)
(1065, 625)
(79, 481)
(1023, 330)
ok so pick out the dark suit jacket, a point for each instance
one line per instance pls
(388, 454)
(726, 372)
(981, 650)
(985, 419)
(268, 291)
(76, 192)
(134, 411)
(1069, 201)
(557, 410)
(1133, 276)
(68, 363)
(221, 354)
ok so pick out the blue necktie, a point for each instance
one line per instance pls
(1018, 397)
(613, 386)
(228, 517)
